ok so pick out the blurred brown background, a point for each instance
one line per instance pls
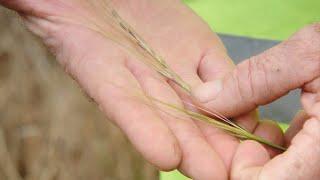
(48, 128)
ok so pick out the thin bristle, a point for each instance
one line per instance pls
(163, 67)
(213, 114)
(124, 35)
(235, 131)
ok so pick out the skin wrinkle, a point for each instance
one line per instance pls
(262, 64)
(265, 75)
(282, 54)
(312, 87)
(299, 160)
(203, 55)
(298, 62)
(293, 70)
(237, 80)
(57, 46)
(317, 60)
(311, 59)
(197, 64)
(298, 163)
(48, 29)
(63, 57)
(52, 45)
(312, 76)
(184, 141)
(250, 75)
(236, 77)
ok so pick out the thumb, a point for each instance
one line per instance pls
(266, 77)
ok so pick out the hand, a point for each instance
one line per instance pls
(109, 74)
(292, 64)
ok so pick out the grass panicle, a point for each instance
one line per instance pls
(140, 48)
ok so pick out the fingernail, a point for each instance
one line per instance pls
(208, 91)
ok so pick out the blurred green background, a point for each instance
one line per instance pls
(267, 19)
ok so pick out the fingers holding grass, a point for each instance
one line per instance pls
(102, 69)
(199, 160)
(271, 131)
(251, 161)
(213, 67)
(268, 76)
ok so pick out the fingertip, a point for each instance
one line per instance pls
(202, 162)
(271, 131)
(250, 153)
(296, 126)
(308, 136)
(303, 152)
(214, 64)
(159, 146)
(170, 159)
(248, 159)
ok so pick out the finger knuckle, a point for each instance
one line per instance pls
(243, 81)
(304, 49)
(309, 35)
(259, 70)
(312, 45)
(251, 80)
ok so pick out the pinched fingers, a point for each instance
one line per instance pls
(270, 75)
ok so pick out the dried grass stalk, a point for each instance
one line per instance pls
(125, 35)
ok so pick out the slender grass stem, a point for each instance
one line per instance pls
(157, 62)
